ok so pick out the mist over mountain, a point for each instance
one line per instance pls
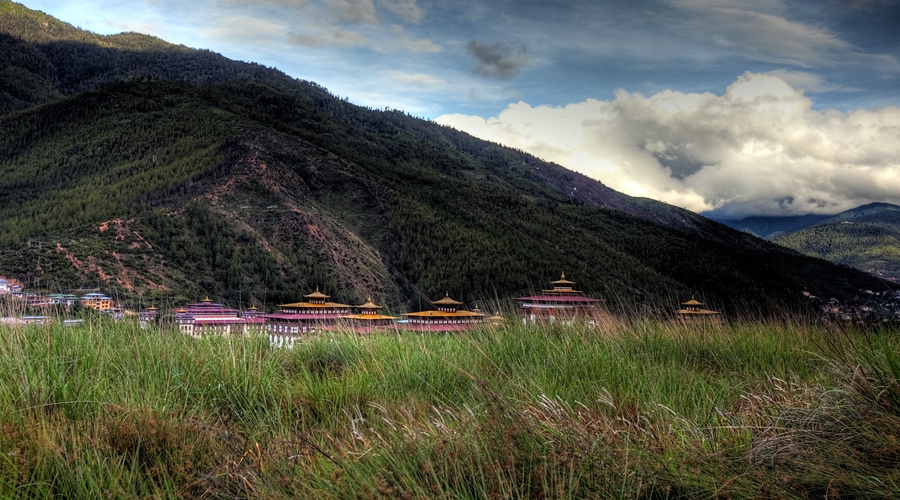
(163, 173)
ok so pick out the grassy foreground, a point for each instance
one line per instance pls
(645, 410)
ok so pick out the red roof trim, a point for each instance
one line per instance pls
(559, 298)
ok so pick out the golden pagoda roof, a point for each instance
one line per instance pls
(370, 305)
(314, 305)
(693, 308)
(317, 295)
(206, 300)
(562, 291)
(447, 301)
(367, 317)
(562, 281)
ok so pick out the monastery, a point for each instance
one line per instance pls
(317, 313)
(561, 303)
(208, 318)
(692, 310)
(368, 319)
(445, 317)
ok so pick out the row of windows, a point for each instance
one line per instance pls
(274, 328)
(445, 321)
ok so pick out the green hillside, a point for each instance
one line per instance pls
(866, 238)
(162, 173)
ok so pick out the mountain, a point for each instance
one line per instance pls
(866, 238)
(163, 174)
(772, 227)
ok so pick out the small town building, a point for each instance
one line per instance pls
(206, 318)
(560, 303)
(368, 319)
(36, 320)
(445, 317)
(316, 313)
(64, 299)
(10, 286)
(117, 312)
(693, 310)
(36, 300)
(97, 301)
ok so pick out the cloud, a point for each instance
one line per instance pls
(809, 82)
(401, 40)
(497, 60)
(325, 36)
(407, 10)
(290, 4)
(414, 79)
(762, 31)
(764, 36)
(336, 24)
(757, 149)
(352, 11)
(250, 30)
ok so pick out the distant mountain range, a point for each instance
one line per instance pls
(163, 174)
(866, 237)
(771, 227)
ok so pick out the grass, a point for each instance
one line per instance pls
(648, 409)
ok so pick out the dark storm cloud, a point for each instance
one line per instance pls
(498, 60)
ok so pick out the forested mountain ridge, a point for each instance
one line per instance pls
(164, 173)
(772, 227)
(866, 238)
(67, 60)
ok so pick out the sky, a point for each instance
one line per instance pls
(730, 108)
